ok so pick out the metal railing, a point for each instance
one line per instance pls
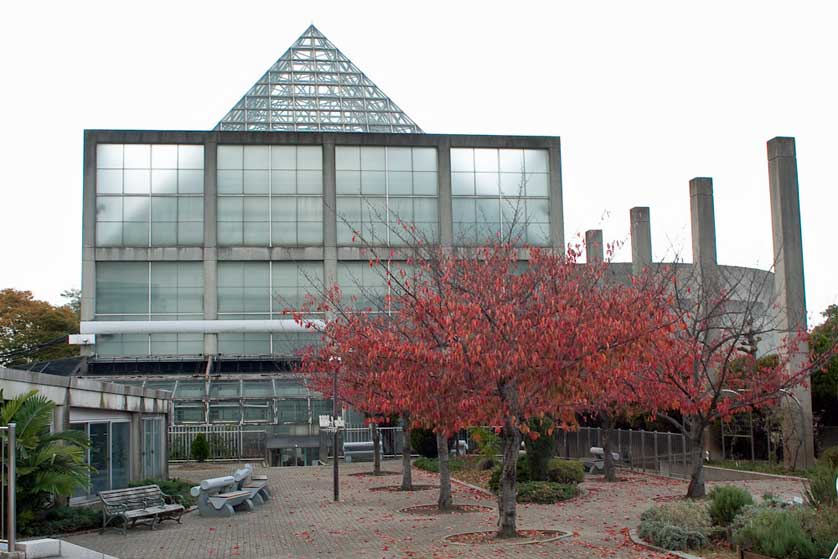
(226, 442)
(653, 451)
(8, 525)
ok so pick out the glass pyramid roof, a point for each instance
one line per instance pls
(315, 87)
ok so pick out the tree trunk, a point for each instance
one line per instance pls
(376, 449)
(607, 430)
(445, 501)
(407, 478)
(696, 489)
(507, 511)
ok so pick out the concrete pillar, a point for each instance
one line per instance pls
(210, 242)
(703, 226)
(556, 200)
(703, 221)
(330, 231)
(88, 257)
(446, 219)
(789, 290)
(641, 239)
(594, 251)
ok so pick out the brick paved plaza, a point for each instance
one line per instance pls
(302, 521)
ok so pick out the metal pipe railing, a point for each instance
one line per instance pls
(10, 509)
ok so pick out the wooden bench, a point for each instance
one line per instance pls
(146, 504)
(219, 497)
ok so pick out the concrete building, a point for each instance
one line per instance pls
(126, 424)
(194, 242)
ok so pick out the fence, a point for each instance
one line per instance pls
(234, 442)
(664, 453)
(8, 525)
(226, 442)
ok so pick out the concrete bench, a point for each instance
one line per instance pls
(220, 497)
(146, 505)
(359, 449)
(258, 487)
(597, 461)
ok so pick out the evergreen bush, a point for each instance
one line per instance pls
(200, 448)
(545, 492)
(565, 471)
(423, 442)
(726, 502)
(676, 526)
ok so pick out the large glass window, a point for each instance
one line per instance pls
(362, 286)
(109, 453)
(270, 195)
(149, 195)
(262, 291)
(149, 291)
(500, 191)
(386, 195)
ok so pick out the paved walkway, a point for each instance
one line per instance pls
(302, 521)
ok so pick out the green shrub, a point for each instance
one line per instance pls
(488, 443)
(200, 448)
(541, 449)
(545, 492)
(725, 503)
(423, 442)
(821, 491)
(777, 533)
(427, 464)
(829, 457)
(59, 520)
(676, 526)
(175, 487)
(565, 471)
(522, 473)
(822, 526)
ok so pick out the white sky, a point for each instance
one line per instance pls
(645, 96)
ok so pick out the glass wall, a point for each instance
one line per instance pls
(109, 453)
(150, 291)
(262, 291)
(362, 286)
(382, 190)
(502, 191)
(149, 195)
(270, 195)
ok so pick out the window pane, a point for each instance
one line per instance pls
(462, 184)
(108, 208)
(512, 184)
(348, 182)
(109, 156)
(230, 208)
(309, 182)
(163, 209)
(486, 184)
(399, 182)
(347, 158)
(535, 161)
(399, 159)
(164, 156)
(109, 181)
(538, 184)
(230, 157)
(164, 181)
(135, 208)
(230, 182)
(283, 157)
(137, 181)
(424, 159)
(462, 159)
(486, 160)
(256, 157)
(190, 157)
(372, 159)
(310, 157)
(310, 208)
(373, 182)
(190, 208)
(190, 182)
(283, 182)
(255, 182)
(137, 156)
(424, 183)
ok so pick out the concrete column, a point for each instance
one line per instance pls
(446, 219)
(789, 290)
(88, 252)
(210, 242)
(136, 449)
(594, 251)
(703, 226)
(641, 239)
(556, 200)
(703, 221)
(330, 232)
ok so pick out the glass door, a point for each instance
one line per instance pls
(99, 457)
(152, 448)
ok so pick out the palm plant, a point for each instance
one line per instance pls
(48, 464)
